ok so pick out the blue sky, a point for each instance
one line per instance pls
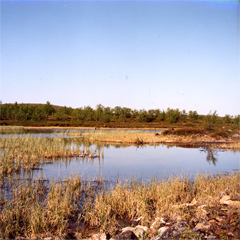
(137, 54)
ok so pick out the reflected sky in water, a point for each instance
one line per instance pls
(145, 162)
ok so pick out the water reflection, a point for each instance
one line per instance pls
(144, 162)
(212, 154)
(126, 161)
(211, 157)
(58, 132)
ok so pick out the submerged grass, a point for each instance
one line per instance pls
(12, 129)
(156, 199)
(27, 152)
(36, 209)
(70, 208)
(74, 206)
(6, 128)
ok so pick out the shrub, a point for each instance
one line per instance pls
(172, 115)
(193, 115)
(211, 120)
(184, 131)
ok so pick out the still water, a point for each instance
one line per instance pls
(144, 163)
(141, 162)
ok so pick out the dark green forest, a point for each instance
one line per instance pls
(50, 115)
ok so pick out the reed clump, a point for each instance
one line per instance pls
(38, 209)
(131, 137)
(6, 128)
(29, 152)
(129, 201)
(12, 129)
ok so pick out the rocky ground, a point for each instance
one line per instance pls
(218, 221)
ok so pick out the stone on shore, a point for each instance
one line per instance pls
(157, 224)
(125, 236)
(227, 200)
(139, 231)
(182, 230)
(99, 236)
(174, 231)
(203, 226)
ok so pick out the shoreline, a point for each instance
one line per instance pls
(127, 136)
(208, 207)
(146, 138)
(78, 208)
(95, 128)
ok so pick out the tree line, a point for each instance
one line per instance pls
(25, 112)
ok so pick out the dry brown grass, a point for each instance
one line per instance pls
(37, 209)
(5, 128)
(142, 137)
(28, 152)
(129, 201)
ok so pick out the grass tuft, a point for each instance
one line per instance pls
(38, 209)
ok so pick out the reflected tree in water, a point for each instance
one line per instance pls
(211, 156)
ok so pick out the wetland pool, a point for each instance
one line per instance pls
(145, 162)
(125, 162)
(142, 162)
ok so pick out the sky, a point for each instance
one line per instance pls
(136, 54)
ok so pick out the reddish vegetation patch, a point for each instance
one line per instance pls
(184, 131)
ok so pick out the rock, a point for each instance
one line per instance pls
(157, 224)
(211, 236)
(128, 229)
(193, 202)
(174, 231)
(143, 227)
(220, 219)
(230, 234)
(235, 198)
(138, 230)
(193, 222)
(226, 200)
(202, 206)
(99, 236)
(179, 218)
(202, 210)
(203, 226)
(224, 209)
(234, 203)
(182, 230)
(212, 222)
(125, 236)
(162, 230)
(136, 221)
